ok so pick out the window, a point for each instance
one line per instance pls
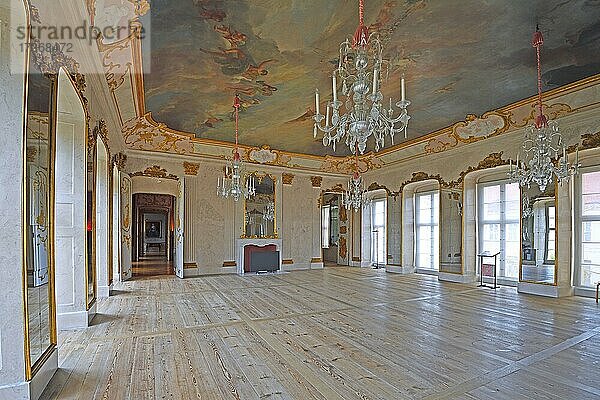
(427, 231)
(378, 231)
(325, 211)
(499, 225)
(589, 272)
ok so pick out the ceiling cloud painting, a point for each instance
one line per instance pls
(458, 57)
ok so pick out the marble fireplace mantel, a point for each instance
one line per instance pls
(241, 243)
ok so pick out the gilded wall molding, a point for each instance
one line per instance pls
(287, 178)
(143, 133)
(590, 141)
(347, 165)
(490, 161)
(190, 168)
(155, 171)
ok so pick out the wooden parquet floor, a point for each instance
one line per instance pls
(338, 333)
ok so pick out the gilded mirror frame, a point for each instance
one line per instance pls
(259, 177)
(555, 282)
(31, 368)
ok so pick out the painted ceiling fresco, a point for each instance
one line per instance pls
(459, 57)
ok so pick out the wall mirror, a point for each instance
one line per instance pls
(91, 220)
(40, 332)
(538, 235)
(330, 227)
(260, 216)
(394, 230)
(451, 206)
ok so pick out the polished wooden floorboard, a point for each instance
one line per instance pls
(338, 333)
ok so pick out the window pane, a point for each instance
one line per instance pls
(512, 192)
(551, 217)
(491, 232)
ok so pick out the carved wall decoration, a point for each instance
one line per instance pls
(490, 161)
(190, 168)
(590, 141)
(287, 178)
(343, 229)
(153, 200)
(119, 160)
(440, 143)
(423, 176)
(376, 186)
(347, 165)
(117, 59)
(155, 171)
(265, 155)
(552, 111)
(31, 153)
(343, 247)
(474, 128)
(316, 181)
(343, 215)
(145, 134)
(34, 14)
(101, 131)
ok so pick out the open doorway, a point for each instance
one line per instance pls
(334, 230)
(153, 234)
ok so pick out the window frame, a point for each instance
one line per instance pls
(434, 227)
(503, 222)
(578, 231)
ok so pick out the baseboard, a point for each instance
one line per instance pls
(104, 291)
(397, 269)
(33, 389)
(316, 265)
(191, 272)
(456, 278)
(545, 290)
(295, 267)
(72, 320)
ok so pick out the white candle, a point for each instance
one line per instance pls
(403, 88)
(327, 119)
(577, 157)
(317, 101)
(334, 84)
(511, 167)
(375, 72)
(517, 160)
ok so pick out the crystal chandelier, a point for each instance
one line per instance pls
(360, 68)
(230, 185)
(269, 212)
(356, 195)
(543, 144)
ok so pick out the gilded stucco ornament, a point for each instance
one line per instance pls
(347, 165)
(155, 171)
(144, 133)
(119, 160)
(316, 181)
(190, 168)
(264, 155)
(287, 178)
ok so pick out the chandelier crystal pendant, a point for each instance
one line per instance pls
(543, 146)
(230, 185)
(360, 69)
(355, 196)
(269, 212)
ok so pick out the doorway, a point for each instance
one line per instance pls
(153, 234)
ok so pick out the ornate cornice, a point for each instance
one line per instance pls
(190, 168)
(490, 161)
(155, 171)
(101, 131)
(590, 141)
(287, 178)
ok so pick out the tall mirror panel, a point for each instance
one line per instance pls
(260, 216)
(91, 220)
(538, 235)
(451, 201)
(39, 159)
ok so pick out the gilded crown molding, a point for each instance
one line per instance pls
(347, 165)
(316, 181)
(155, 171)
(190, 168)
(287, 178)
